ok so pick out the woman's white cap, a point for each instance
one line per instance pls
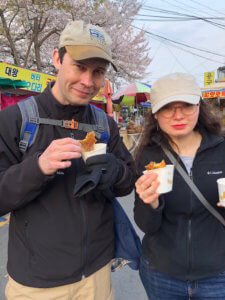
(174, 87)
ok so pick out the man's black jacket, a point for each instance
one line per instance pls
(55, 238)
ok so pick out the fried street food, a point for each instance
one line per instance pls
(89, 142)
(222, 197)
(152, 165)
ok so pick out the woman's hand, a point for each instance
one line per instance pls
(146, 187)
(219, 204)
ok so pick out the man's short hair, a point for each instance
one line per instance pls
(62, 52)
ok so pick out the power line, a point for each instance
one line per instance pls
(155, 9)
(207, 7)
(174, 19)
(156, 36)
(186, 5)
(176, 60)
(180, 43)
(183, 18)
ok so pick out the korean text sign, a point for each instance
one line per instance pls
(36, 81)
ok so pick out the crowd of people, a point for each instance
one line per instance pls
(50, 257)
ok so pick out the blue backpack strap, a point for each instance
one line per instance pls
(29, 130)
(101, 121)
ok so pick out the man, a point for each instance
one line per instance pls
(60, 245)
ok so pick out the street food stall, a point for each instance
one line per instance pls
(131, 103)
(215, 94)
(33, 83)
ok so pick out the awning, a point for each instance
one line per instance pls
(215, 90)
(7, 83)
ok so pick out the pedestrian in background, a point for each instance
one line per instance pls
(184, 244)
(61, 245)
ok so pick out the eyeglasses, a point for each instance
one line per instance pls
(168, 111)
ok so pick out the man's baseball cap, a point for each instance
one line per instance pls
(84, 41)
(174, 87)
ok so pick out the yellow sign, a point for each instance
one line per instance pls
(100, 96)
(213, 94)
(36, 81)
(208, 78)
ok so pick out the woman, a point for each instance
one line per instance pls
(184, 244)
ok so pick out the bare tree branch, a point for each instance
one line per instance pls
(9, 38)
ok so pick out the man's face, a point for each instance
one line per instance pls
(78, 81)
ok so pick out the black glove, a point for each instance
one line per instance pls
(111, 169)
(86, 182)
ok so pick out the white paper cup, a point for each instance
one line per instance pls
(98, 149)
(165, 177)
(221, 190)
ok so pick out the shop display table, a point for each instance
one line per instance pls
(134, 140)
(131, 140)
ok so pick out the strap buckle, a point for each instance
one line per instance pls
(100, 128)
(74, 124)
(70, 124)
(23, 145)
(33, 120)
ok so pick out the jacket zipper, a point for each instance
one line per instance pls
(189, 231)
(27, 238)
(84, 259)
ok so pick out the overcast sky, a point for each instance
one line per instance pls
(195, 33)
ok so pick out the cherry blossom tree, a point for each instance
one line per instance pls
(29, 30)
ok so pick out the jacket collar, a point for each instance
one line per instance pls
(209, 140)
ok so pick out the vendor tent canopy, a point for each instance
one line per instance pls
(214, 86)
(132, 100)
(132, 94)
(145, 104)
(6, 83)
(132, 90)
(215, 90)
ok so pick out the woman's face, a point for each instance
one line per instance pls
(178, 119)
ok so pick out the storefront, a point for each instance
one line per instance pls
(215, 94)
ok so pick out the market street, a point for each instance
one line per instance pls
(126, 282)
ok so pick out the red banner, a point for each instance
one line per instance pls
(10, 99)
(213, 94)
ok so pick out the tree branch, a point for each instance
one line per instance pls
(47, 36)
(9, 38)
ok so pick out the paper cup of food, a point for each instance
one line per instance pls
(221, 190)
(98, 149)
(165, 177)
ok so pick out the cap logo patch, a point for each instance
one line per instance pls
(95, 33)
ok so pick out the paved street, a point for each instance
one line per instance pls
(126, 282)
(3, 249)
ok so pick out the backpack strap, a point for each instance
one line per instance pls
(28, 131)
(31, 120)
(101, 122)
(70, 124)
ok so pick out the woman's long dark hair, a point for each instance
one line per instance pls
(207, 120)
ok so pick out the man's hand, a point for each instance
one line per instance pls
(58, 155)
(146, 187)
